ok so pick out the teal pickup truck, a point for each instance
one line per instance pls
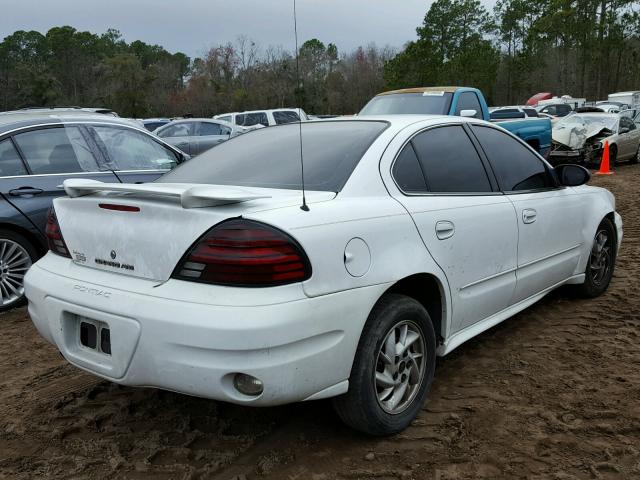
(461, 101)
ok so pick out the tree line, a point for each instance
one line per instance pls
(581, 47)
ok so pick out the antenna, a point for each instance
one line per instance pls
(304, 205)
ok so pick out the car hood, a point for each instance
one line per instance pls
(576, 136)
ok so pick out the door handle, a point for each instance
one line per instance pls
(529, 215)
(23, 191)
(445, 229)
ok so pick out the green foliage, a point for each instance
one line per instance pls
(69, 67)
(581, 47)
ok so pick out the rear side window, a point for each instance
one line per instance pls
(270, 157)
(531, 112)
(177, 130)
(516, 167)
(57, 150)
(469, 101)
(226, 118)
(10, 162)
(251, 119)
(450, 162)
(209, 128)
(126, 149)
(407, 171)
(285, 116)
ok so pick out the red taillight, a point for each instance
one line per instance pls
(54, 235)
(244, 253)
(119, 208)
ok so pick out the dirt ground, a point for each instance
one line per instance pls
(552, 393)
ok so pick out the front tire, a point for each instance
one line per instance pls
(613, 156)
(17, 254)
(392, 370)
(602, 261)
(636, 158)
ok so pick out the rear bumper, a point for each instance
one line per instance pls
(300, 348)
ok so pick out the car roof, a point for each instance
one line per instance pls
(447, 89)
(204, 119)
(595, 114)
(25, 118)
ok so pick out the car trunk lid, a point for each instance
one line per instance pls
(144, 230)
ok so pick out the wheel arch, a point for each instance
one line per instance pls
(36, 240)
(427, 289)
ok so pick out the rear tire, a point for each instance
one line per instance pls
(602, 261)
(17, 254)
(386, 394)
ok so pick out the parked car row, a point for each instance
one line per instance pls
(38, 153)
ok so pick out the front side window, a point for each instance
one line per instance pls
(226, 118)
(626, 122)
(516, 167)
(530, 112)
(10, 162)
(468, 101)
(184, 129)
(285, 116)
(57, 150)
(127, 149)
(450, 162)
(270, 157)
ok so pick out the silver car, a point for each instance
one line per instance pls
(581, 137)
(196, 135)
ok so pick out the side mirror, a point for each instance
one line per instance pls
(468, 113)
(572, 175)
(623, 130)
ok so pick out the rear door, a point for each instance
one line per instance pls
(135, 156)
(550, 218)
(50, 155)
(469, 228)
(208, 135)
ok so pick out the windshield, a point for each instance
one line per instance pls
(409, 103)
(270, 157)
(588, 121)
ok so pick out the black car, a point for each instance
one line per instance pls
(38, 152)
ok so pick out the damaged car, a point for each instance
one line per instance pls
(580, 138)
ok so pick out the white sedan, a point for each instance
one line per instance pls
(418, 233)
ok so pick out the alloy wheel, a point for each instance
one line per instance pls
(600, 258)
(14, 263)
(400, 367)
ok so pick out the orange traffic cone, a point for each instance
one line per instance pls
(604, 164)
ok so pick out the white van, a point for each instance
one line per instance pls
(265, 118)
(628, 98)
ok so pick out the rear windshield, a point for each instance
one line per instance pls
(409, 103)
(270, 157)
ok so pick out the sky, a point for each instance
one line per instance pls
(193, 26)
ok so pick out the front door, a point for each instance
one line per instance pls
(549, 217)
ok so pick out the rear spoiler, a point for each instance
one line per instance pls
(189, 195)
